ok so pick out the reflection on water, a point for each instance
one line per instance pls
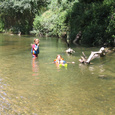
(37, 87)
(35, 67)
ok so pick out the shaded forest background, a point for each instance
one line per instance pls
(94, 18)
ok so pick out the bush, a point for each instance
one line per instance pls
(94, 21)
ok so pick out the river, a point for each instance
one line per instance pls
(38, 87)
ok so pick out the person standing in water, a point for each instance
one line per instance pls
(35, 48)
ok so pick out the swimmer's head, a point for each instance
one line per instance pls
(59, 57)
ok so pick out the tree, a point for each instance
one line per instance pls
(19, 14)
(94, 20)
(53, 20)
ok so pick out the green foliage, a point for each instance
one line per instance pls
(20, 13)
(94, 21)
(90, 1)
(111, 26)
(53, 21)
(1, 26)
(94, 18)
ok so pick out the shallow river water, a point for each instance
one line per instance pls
(38, 87)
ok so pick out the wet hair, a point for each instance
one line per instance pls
(59, 55)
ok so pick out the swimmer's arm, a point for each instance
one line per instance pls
(71, 62)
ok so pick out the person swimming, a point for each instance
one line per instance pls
(59, 60)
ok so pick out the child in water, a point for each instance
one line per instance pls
(35, 48)
(59, 61)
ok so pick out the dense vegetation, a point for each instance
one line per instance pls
(18, 15)
(94, 18)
